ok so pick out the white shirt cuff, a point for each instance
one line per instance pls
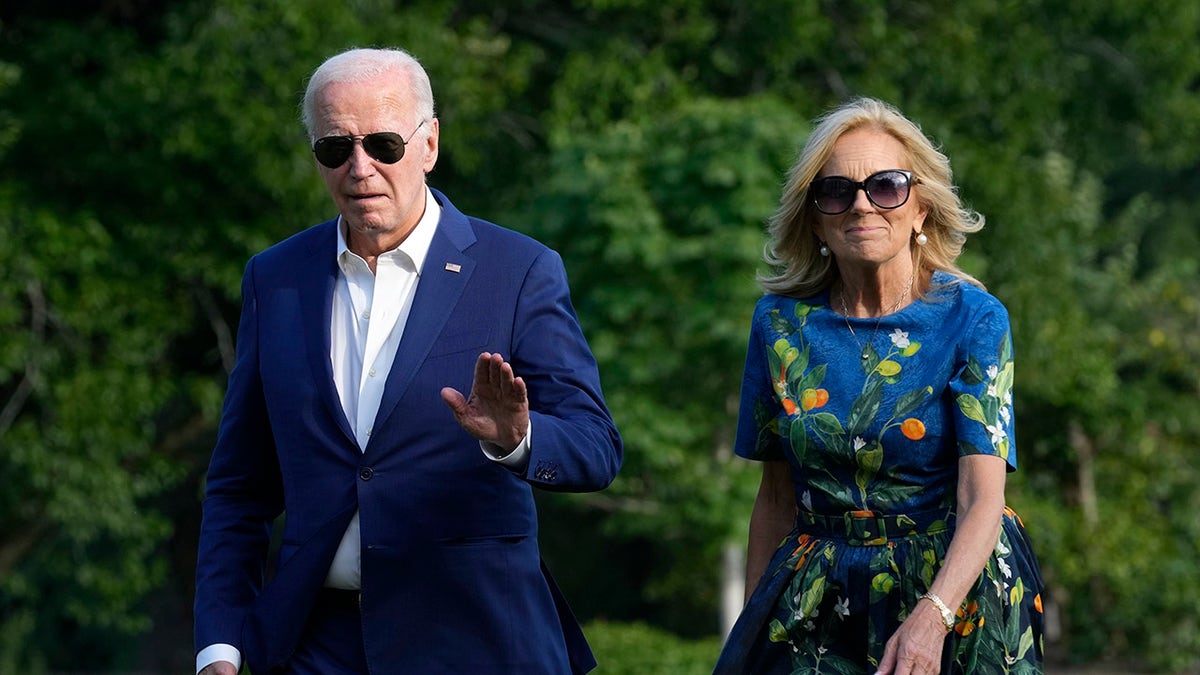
(518, 458)
(218, 652)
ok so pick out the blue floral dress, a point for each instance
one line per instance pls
(873, 433)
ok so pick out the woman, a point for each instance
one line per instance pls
(878, 395)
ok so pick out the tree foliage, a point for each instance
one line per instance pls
(148, 149)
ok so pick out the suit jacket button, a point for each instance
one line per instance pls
(365, 473)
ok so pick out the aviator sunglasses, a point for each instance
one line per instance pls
(885, 189)
(384, 146)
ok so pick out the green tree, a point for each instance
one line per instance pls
(148, 149)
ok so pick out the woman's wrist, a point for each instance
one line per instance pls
(944, 612)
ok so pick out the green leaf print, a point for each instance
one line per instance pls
(813, 378)
(881, 585)
(865, 408)
(777, 632)
(781, 325)
(888, 368)
(911, 401)
(828, 424)
(872, 360)
(1004, 381)
(1026, 643)
(797, 368)
(810, 600)
(1017, 593)
(799, 438)
(974, 372)
(883, 498)
(869, 459)
(970, 406)
(775, 361)
(768, 430)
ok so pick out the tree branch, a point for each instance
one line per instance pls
(37, 331)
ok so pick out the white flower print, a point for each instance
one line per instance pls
(842, 608)
(997, 433)
(1006, 415)
(1005, 568)
(859, 443)
(899, 338)
(806, 499)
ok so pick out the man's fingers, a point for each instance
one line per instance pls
(454, 399)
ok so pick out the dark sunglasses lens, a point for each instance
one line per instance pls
(833, 195)
(888, 189)
(384, 146)
(333, 151)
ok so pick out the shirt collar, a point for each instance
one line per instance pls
(415, 245)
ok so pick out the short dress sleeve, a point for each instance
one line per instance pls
(760, 406)
(982, 414)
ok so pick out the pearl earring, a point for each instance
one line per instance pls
(824, 251)
(922, 239)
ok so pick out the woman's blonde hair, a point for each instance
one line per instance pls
(793, 251)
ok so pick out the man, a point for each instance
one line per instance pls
(409, 543)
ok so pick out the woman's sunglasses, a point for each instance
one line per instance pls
(886, 189)
(384, 146)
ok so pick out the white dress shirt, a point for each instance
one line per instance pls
(367, 322)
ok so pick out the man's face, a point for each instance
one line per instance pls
(380, 203)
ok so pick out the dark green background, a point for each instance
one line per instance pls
(148, 148)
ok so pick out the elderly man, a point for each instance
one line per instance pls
(405, 375)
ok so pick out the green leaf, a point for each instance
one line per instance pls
(888, 368)
(969, 405)
(973, 374)
(828, 424)
(811, 598)
(798, 435)
(813, 379)
(869, 459)
(910, 401)
(864, 410)
(777, 632)
(781, 325)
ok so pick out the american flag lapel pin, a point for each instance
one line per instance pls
(453, 267)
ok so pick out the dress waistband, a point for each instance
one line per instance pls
(869, 528)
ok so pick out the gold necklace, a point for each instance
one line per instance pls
(846, 315)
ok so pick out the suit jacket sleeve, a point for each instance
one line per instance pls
(243, 495)
(576, 446)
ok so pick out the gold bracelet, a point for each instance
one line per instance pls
(947, 615)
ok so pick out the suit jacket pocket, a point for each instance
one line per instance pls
(483, 540)
(472, 340)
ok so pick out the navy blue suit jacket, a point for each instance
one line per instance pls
(451, 573)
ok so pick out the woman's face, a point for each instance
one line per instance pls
(865, 235)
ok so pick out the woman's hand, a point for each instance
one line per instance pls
(916, 647)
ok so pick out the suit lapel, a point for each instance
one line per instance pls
(444, 276)
(315, 282)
